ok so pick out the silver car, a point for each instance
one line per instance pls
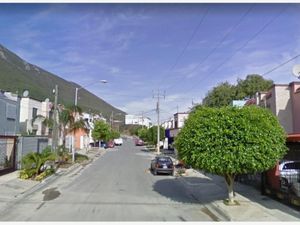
(289, 174)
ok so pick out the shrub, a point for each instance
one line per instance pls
(80, 158)
(33, 161)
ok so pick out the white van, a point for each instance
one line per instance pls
(118, 141)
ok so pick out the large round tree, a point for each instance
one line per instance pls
(228, 141)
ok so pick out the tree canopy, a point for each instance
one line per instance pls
(101, 131)
(225, 93)
(228, 141)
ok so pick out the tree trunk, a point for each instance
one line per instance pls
(229, 178)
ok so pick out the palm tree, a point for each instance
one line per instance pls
(70, 123)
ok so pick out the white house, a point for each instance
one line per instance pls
(138, 120)
(32, 114)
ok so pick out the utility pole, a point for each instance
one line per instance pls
(158, 96)
(55, 124)
(111, 120)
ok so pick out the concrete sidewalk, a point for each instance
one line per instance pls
(13, 188)
(211, 190)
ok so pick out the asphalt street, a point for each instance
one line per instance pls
(118, 186)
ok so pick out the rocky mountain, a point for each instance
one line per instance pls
(16, 75)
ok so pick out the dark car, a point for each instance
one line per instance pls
(162, 164)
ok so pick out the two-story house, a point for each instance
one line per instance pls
(284, 101)
(9, 113)
(32, 114)
(174, 126)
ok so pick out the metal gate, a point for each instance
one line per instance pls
(7, 154)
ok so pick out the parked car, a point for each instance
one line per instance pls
(118, 141)
(139, 142)
(162, 164)
(289, 172)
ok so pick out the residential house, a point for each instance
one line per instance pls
(32, 114)
(284, 101)
(175, 126)
(138, 120)
(9, 113)
(9, 128)
(82, 138)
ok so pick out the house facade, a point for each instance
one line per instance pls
(138, 120)
(174, 125)
(9, 113)
(32, 114)
(284, 101)
(82, 138)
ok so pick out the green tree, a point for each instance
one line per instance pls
(142, 133)
(221, 95)
(114, 134)
(101, 131)
(152, 134)
(225, 93)
(228, 141)
(70, 123)
(252, 84)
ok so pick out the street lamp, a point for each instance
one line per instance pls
(77, 89)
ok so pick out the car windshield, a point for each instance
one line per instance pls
(164, 160)
(292, 166)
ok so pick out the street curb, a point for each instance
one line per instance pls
(216, 209)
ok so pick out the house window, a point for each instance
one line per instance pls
(34, 112)
(11, 111)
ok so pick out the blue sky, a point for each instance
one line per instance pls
(183, 49)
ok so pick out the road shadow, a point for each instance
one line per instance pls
(190, 190)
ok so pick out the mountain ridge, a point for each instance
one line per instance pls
(16, 75)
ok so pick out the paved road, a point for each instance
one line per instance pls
(116, 187)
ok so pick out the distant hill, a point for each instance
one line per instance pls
(16, 75)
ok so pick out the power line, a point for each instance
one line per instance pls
(280, 65)
(221, 40)
(254, 36)
(244, 45)
(187, 44)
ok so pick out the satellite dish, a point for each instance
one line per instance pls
(296, 71)
(47, 100)
(25, 93)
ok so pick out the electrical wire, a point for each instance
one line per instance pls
(221, 41)
(243, 46)
(280, 65)
(187, 44)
